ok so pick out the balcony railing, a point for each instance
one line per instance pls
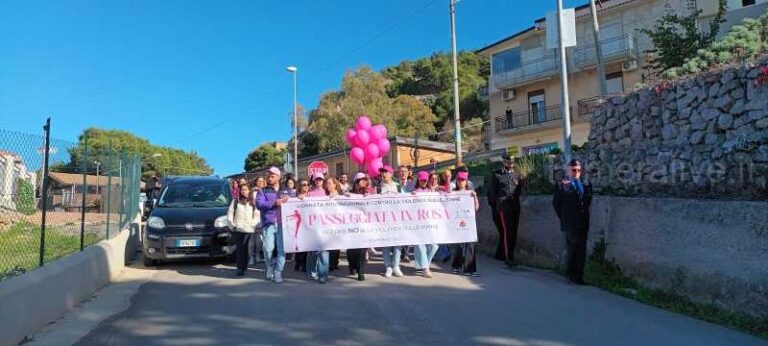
(528, 118)
(551, 114)
(614, 49)
(617, 48)
(529, 70)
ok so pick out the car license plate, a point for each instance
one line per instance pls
(187, 242)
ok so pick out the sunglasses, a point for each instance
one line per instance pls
(304, 184)
(575, 169)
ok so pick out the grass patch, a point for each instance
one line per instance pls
(20, 247)
(606, 274)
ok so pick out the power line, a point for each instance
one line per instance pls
(313, 75)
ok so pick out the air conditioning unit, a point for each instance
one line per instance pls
(629, 66)
(508, 94)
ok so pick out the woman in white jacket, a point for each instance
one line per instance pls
(243, 217)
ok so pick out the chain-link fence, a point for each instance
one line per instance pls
(58, 197)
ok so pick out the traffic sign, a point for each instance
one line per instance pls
(317, 167)
(287, 167)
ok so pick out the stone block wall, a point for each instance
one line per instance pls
(706, 136)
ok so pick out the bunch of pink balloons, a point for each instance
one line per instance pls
(369, 144)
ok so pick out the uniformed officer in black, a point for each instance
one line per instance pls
(504, 199)
(571, 200)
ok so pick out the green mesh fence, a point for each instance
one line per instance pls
(88, 195)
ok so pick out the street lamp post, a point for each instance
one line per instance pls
(293, 70)
(456, 117)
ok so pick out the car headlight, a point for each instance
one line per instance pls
(221, 222)
(155, 222)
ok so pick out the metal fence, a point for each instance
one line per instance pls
(57, 197)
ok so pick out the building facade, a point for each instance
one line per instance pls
(524, 87)
(12, 171)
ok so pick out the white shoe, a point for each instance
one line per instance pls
(397, 272)
(278, 278)
(388, 273)
(270, 273)
(313, 276)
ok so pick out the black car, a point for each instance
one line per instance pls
(189, 219)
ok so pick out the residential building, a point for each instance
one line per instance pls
(403, 151)
(65, 191)
(12, 170)
(524, 87)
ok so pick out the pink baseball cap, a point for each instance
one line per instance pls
(359, 175)
(387, 168)
(275, 171)
(423, 175)
(462, 176)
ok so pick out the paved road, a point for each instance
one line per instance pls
(203, 304)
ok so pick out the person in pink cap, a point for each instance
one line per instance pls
(424, 252)
(268, 202)
(463, 254)
(317, 190)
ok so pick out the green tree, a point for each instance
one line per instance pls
(264, 156)
(364, 91)
(433, 76)
(25, 200)
(155, 159)
(676, 37)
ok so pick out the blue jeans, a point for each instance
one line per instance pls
(424, 255)
(272, 237)
(317, 263)
(391, 256)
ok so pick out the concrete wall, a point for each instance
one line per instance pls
(34, 299)
(711, 251)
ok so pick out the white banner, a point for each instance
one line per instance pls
(356, 222)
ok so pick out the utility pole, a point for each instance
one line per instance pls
(294, 71)
(456, 117)
(566, 110)
(598, 50)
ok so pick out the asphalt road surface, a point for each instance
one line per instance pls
(204, 304)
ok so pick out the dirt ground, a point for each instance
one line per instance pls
(53, 218)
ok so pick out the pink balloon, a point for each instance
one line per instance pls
(371, 152)
(351, 133)
(363, 123)
(383, 144)
(374, 166)
(357, 155)
(362, 138)
(380, 131)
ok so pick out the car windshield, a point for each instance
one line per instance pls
(195, 194)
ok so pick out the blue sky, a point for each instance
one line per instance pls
(210, 76)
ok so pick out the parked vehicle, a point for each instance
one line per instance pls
(189, 219)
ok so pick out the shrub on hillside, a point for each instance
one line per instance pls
(25, 200)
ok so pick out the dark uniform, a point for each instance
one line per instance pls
(504, 199)
(571, 201)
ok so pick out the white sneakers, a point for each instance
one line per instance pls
(278, 278)
(397, 272)
(393, 271)
(270, 273)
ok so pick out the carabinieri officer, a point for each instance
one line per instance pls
(571, 200)
(504, 199)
